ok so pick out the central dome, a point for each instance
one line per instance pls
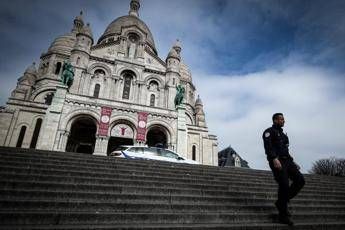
(116, 27)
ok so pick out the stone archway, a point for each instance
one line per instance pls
(157, 136)
(122, 133)
(82, 136)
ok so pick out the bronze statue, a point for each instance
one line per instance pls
(67, 75)
(179, 95)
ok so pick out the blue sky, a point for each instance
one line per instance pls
(249, 59)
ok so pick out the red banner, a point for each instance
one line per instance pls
(141, 130)
(104, 122)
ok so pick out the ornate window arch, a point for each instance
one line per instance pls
(153, 85)
(99, 72)
(128, 77)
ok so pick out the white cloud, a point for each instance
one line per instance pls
(239, 108)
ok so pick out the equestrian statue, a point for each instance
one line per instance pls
(67, 75)
(179, 95)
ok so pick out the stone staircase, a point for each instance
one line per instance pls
(54, 190)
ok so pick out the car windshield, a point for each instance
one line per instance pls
(167, 153)
(121, 148)
(136, 149)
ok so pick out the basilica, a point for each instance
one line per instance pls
(120, 92)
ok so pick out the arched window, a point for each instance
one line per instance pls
(237, 161)
(58, 68)
(99, 72)
(21, 136)
(36, 133)
(194, 152)
(96, 91)
(48, 98)
(152, 100)
(153, 86)
(127, 86)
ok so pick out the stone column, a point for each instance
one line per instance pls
(181, 130)
(101, 146)
(82, 82)
(52, 119)
(61, 142)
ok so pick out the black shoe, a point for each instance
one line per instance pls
(287, 213)
(285, 220)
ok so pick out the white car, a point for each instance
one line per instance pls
(150, 153)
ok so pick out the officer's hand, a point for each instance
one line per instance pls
(277, 164)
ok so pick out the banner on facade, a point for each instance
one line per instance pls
(104, 122)
(141, 130)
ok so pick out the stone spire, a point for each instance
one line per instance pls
(177, 46)
(175, 51)
(78, 23)
(134, 8)
(199, 113)
(31, 69)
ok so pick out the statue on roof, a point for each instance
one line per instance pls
(67, 75)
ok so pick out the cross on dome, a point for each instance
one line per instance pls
(134, 8)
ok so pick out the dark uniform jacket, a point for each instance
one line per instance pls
(276, 143)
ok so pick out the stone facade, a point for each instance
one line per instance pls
(122, 71)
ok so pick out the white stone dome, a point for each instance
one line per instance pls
(86, 30)
(63, 44)
(185, 73)
(116, 27)
(173, 54)
(31, 69)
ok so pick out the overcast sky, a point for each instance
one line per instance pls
(249, 59)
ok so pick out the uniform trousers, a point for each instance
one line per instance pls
(286, 192)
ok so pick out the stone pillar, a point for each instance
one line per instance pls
(181, 130)
(101, 146)
(61, 142)
(52, 119)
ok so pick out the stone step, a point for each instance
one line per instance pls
(153, 165)
(157, 198)
(166, 191)
(54, 190)
(77, 169)
(241, 226)
(56, 176)
(95, 217)
(74, 205)
(174, 189)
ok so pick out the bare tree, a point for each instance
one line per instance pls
(331, 166)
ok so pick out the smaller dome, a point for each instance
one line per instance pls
(86, 30)
(63, 44)
(31, 69)
(79, 17)
(198, 101)
(78, 22)
(173, 54)
(177, 46)
(185, 73)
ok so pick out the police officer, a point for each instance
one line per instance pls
(276, 145)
